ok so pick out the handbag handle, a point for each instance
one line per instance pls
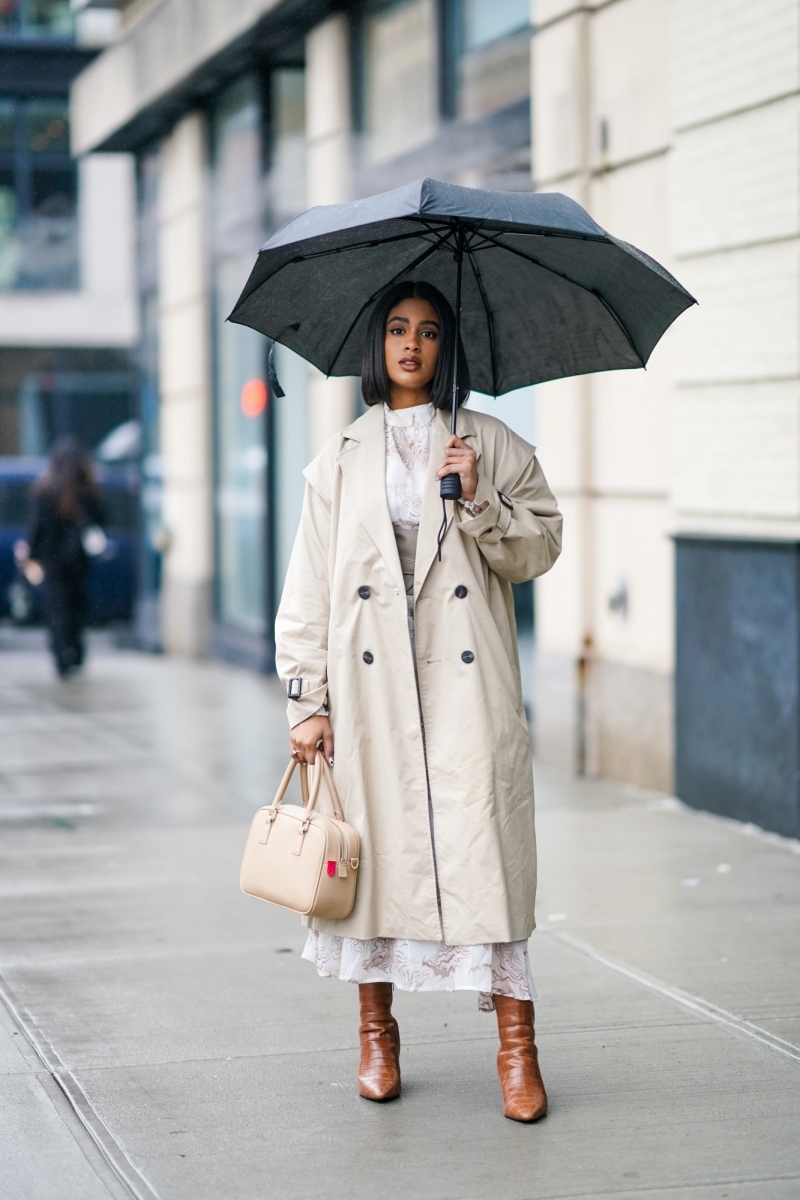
(308, 801)
(321, 768)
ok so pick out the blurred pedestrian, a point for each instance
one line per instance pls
(409, 661)
(65, 534)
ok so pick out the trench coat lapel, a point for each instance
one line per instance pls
(431, 515)
(363, 463)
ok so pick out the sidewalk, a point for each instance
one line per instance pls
(162, 1038)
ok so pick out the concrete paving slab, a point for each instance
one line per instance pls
(148, 962)
(665, 904)
(39, 1158)
(705, 1108)
(16, 1056)
(174, 1006)
(195, 1030)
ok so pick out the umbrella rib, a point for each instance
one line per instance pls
(489, 319)
(560, 275)
(399, 237)
(299, 258)
(409, 267)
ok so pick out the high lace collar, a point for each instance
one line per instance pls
(417, 416)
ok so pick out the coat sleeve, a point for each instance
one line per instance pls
(519, 531)
(301, 624)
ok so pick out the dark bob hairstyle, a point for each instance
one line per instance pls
(374, 378)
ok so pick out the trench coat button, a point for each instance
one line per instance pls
(364, 592)
(368, 656)
(467, 656)
(461, 591)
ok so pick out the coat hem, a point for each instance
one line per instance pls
(432, 934)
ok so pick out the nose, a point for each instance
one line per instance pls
(412, 341)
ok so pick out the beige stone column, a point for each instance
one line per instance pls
(329, 176)
(184, 367)
(603, 687)
(565, 637)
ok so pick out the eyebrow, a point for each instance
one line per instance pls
(427, 321)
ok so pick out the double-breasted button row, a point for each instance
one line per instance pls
(369, 657)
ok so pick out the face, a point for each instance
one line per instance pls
(412, 344)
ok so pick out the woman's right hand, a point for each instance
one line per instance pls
(306, 736)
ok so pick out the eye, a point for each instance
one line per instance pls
(430, 333)
(397, 329)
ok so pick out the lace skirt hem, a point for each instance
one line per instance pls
(500, 968)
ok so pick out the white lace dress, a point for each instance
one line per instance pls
(500, 968)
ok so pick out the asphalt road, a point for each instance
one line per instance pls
(161, 1037)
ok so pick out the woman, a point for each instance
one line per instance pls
(67, 508)
(432, 748)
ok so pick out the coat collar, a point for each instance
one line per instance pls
(371, 422)
(363, 462)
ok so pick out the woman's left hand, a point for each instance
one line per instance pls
(460, 459)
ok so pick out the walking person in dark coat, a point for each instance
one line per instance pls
(67, 515)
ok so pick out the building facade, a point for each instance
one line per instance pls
(666, 639)
(68, 302)
(239, 118)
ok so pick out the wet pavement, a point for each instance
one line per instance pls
(161, 1037)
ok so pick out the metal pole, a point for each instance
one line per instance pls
(450, 486)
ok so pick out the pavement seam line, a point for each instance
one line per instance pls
(695, 1003)
(112, 1152)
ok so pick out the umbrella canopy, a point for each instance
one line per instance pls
(545, 292)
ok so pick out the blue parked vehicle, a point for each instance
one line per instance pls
(113, 578)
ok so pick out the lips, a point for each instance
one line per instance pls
(410, 364)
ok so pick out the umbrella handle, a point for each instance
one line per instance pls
(450, 487)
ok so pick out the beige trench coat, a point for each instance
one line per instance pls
(448, 854)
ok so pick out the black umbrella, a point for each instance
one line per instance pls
(539, 290)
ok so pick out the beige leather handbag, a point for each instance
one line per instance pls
(299, 858)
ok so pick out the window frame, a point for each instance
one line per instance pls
(22, 164)
(19, 28)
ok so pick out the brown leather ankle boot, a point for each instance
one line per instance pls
(524, 1097)
(379, 1069)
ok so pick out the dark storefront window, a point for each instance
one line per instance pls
(239, 361)
(45, 393)
(152, 475)
(489, 44)
(260, 442)
(399, 78)
(288, 424)
(36, 19)
(287, 166)
(38, 196)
